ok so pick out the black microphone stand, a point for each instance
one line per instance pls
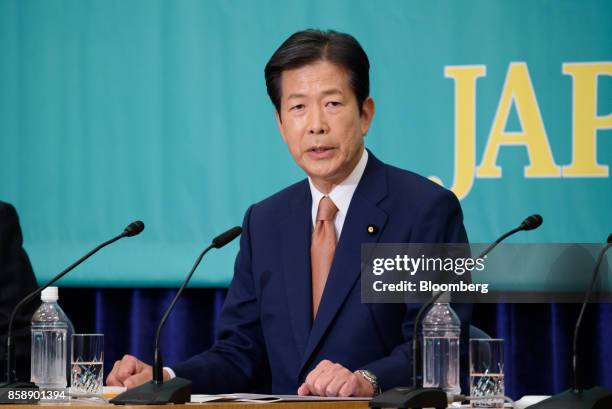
(10, 374)
(576, 397)
(177, 390)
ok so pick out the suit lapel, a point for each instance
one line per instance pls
(346, 267)
(296, 232)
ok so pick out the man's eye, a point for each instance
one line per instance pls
(333, 103)
(297, 107)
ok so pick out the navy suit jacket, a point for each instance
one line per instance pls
(266, 338)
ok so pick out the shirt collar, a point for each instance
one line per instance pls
(342, 193)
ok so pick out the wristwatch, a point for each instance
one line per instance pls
(370, 377)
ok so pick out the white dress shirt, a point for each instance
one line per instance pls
(341, 194)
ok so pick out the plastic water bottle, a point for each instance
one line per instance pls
(51, 334)
(441, 331)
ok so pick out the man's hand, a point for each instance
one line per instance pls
(131, 372)
(330, 379)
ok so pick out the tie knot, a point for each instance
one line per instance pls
(327, 210)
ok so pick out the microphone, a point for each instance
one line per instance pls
(530, 223)
(176, 390)
(133, 228)
(226, 237)
(416, 396)
(10, 375)
(577, 397)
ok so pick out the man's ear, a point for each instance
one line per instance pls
(367, 114)
(279, 123)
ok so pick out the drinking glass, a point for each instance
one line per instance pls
(87, 365)
(487, 372)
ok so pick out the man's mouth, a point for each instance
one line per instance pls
(320, 152)
(320, 149)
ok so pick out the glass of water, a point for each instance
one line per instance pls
(487, 373)
(87, 365)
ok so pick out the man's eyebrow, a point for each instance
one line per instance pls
(292, 96)
(333, 91)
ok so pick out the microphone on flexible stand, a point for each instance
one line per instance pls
(10, 375)
(530, 223)
(176, 390)
(417, 396)
(577, 397)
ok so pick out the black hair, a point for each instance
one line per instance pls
(308, 46)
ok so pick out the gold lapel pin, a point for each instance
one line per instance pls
(372, 229)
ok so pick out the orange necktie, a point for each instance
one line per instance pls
(322, 249)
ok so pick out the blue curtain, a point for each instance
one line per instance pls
(538, 337)
(129, 318)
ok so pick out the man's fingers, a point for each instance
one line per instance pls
(138, 379)
(303, 390)
(127, 367)
(327, 373)
(114, 379)
(335, 378)
(320, 368)
(111, 379)
(350, 387)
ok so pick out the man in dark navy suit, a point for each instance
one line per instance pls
(16, 281)
(293, 320)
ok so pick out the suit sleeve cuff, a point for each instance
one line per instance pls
(390, 372)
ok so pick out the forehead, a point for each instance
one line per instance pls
(313, 79)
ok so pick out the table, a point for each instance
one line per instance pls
(211, 405)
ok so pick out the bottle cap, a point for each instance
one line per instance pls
(49, 294)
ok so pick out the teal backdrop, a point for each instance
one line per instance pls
(112, 111)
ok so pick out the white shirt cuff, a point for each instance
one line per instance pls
(170, 372)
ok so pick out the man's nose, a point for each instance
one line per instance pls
(317, 123)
